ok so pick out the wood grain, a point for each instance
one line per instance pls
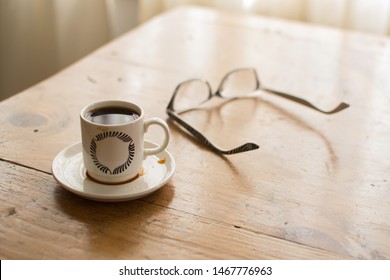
(318, 183)
(40, 220)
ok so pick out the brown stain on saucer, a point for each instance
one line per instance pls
(140, 174)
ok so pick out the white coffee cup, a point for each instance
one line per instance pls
(112, 135)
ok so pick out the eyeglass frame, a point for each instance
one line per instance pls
(174, 115)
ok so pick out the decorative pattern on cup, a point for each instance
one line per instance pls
(121, 136)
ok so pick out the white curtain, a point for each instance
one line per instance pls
(40, 37)
(363, 15)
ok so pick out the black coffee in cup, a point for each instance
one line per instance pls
(112, 115)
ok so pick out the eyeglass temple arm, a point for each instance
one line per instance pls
(243, 148)
(301, 101)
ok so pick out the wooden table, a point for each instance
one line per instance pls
(318, 187)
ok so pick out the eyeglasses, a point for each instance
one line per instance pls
(239, 83)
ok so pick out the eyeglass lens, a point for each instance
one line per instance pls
(191, 94)
(239, 83)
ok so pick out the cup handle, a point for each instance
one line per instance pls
(163, 146)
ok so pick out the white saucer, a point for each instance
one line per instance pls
(68, 169)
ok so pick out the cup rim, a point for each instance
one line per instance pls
(106, 103)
